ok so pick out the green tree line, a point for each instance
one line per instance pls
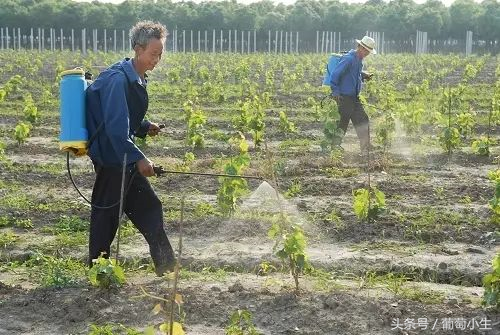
(398, 19)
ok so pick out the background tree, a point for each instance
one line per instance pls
(398, 19)
(432, 17)
(463, 16)
(490, 20)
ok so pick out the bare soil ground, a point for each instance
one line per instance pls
(417, 269)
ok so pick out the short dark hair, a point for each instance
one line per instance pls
(144, 31)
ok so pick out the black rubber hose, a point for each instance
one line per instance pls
(87, 200)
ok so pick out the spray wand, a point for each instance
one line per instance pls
(159, 171)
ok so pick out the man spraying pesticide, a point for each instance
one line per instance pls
(113, 113)
(101, 120)
(345, 76)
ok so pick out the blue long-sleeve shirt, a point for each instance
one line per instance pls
(116, 103)
(346, 77)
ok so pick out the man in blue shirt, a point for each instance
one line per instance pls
(347, 78)
(116, 103)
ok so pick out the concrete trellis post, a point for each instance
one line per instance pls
(248, 42)
(242, 41)
(254, 41)
(174, 41)
(383, 42)
(322, 41)
(468, 43)
(84, 41)
(297, 42)
(286, 42)
(39, 40)
(330, 42)
(206, 41)
(269, 41)
(276, 42)
(421, 42)
(317, 41)
(281, 41)
(94, 40)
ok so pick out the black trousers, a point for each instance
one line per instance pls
(141, 205)
(350, 108)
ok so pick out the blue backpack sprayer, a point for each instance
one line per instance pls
(74, 135)
(333, 61)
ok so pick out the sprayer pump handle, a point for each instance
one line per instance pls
(158, 170)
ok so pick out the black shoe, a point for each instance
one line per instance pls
(164, 261)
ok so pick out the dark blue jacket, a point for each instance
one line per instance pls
(117, 101)
(346, 77)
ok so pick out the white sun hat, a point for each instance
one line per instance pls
(368, 43)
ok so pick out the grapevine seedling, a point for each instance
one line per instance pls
(106, 273)
(241, 324)
(368, 203)
(333, 134)
(290, 245)
(491, 283)
(286, 125)
(289, 238)
(495, 201)
(195, 122)
(187, 161)
(450, 135)
(231, 189)
(385, 130)
(21, 132)
(466, 123)
(482, 145)
(256, 121)
(30, 110)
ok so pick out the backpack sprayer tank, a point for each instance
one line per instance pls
(333, 61)
(74, 135)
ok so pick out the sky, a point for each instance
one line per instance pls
(286, 2)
